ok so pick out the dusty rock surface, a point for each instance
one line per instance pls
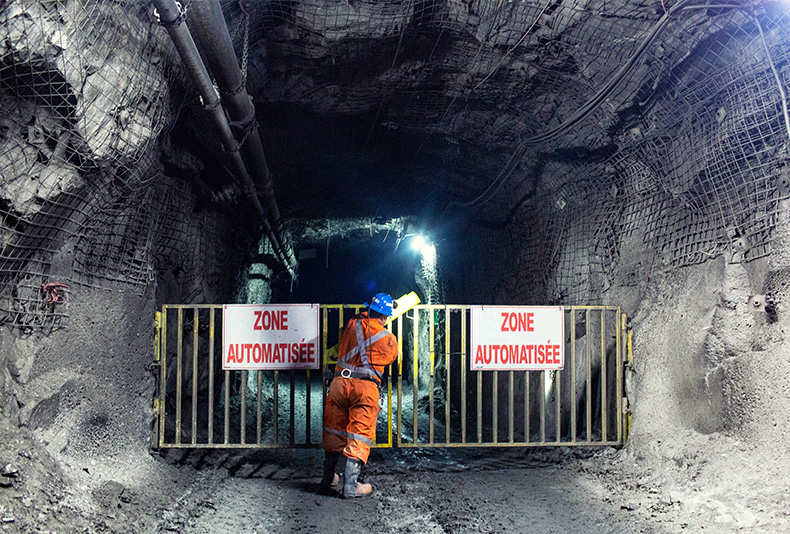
(75, 434)
(659, 488)
(707, 451)
(419, 492)
(76, 422)
(673, 488)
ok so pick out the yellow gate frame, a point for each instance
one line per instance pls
(438, 336)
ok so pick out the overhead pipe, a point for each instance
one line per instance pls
(207, 24)
(172, 18)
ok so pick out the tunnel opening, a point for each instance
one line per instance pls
(353, 262)
(345, 262)
(574, 153)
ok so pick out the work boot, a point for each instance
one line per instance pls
(351, 488)
(330, 478)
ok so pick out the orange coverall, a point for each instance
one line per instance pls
(352, 404)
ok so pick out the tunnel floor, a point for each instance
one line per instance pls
(420, 491)
(506, 500)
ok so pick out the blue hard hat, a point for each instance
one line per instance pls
(381, 303)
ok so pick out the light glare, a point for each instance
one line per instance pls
(428, 252)
(417, 242)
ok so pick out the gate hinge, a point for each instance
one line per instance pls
(157, 337)
(629, 346)
(155, 425)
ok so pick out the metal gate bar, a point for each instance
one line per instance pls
(580, 405)
(559, 408)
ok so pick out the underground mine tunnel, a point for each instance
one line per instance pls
(620, 167)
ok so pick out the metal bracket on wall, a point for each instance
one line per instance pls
(757, 303)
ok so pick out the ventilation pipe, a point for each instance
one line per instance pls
(212, 34)
(172, 18)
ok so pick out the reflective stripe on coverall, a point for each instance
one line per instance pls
(352, 404)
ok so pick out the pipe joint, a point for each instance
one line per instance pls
(179, 19)
(246, 124)
(245, 133)
(237, 91)
(211, 106)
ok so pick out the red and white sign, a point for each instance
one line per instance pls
(517, 338)
(270, 336)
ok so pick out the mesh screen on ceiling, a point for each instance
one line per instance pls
(681, 161)
(679, 155)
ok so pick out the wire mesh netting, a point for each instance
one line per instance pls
(615, 138)
(652, 126)
(84, 97)
(697, 174)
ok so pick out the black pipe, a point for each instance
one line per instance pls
(211, 31)
(173, 20)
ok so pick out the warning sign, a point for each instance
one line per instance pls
(517, 338)
(270, 336)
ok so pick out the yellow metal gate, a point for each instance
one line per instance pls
(430, 396)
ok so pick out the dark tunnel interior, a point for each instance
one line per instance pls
(620, 166)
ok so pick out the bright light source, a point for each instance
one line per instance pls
(417, 242)
(428, 252)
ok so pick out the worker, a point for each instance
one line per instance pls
(352, 402)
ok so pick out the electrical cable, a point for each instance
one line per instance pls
(512, 48)
(776, 74)
(498, 183)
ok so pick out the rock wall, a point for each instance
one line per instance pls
(670, 200)
(92, 198)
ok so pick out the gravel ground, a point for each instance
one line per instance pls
(496, 491)
(425, 492)
(633, 490)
